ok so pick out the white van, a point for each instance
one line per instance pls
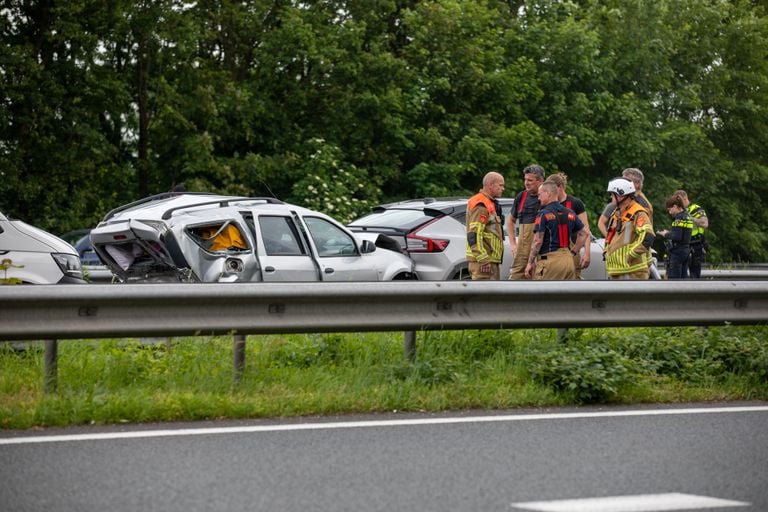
(30, 255)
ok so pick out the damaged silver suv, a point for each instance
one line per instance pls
(199, 237)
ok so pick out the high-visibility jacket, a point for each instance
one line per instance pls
(625, 249)
(485, 236)
(696, 212)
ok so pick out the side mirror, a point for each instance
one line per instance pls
(367, 247)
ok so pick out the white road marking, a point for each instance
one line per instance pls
(636, 503)
(376, 423)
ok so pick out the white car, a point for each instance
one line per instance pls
(193, 237)
(30, 255)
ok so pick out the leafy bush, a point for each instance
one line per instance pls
(694, 353)
(738, 351)
(592, 373)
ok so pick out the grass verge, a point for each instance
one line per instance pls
(119, 381)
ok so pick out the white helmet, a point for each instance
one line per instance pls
(621, 187)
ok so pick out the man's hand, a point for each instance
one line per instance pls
(529, 270)
(585, 260)
(485, 268)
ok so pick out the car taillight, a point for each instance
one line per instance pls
(414, 243)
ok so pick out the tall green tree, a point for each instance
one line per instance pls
(60, 103)
(104, 103)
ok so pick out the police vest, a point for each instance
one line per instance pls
(696, 212)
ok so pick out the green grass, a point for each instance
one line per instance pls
(114, 381)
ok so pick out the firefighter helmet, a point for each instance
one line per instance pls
(621, 187)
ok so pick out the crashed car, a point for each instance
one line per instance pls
(199, 237)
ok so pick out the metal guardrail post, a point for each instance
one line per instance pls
(409, 345)
(238, 350)
(51, 365)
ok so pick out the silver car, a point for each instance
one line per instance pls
(214, 238)
(433, 232)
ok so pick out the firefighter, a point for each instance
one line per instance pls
(637, 177)
(577, 205)
(629, 235)
(552, 255)
(521, 219)
(485, 236)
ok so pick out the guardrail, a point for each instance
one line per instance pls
(95, 311)
(731, 274)
(100, 274)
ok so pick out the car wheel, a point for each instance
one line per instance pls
(462, 275)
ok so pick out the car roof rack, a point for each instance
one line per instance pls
(221, 202)
(166, 195)
(149, 199)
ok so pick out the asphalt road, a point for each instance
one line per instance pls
(472, 461)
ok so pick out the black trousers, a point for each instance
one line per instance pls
(677, 265)
(698, 250)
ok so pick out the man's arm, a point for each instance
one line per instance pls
(699, 217)
(582, 239)
(511, 220)
(538, 240)
(477, 220)
(602, 221)
(585, 259)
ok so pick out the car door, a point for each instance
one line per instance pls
(283, 253)
(338, 252)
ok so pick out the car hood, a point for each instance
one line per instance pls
(34, 239)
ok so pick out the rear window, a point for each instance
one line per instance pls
(219, 237)
(400, 219)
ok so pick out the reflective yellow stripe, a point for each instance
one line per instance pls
(682, 223)
(485, 240)
(616, 262)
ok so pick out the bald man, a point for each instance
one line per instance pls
(485, 236)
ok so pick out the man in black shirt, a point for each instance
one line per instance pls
(524, 212)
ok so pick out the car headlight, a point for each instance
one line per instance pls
(68, 263)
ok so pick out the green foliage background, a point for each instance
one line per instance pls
(105, 102)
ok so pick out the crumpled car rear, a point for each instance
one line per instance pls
(150, 251)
